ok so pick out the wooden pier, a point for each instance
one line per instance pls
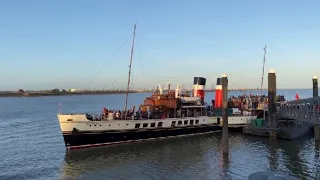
(290, 119)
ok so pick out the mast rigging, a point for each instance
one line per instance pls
(264, 62)
(129, 75)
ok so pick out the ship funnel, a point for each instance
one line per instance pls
(199, 84)
(218, 97)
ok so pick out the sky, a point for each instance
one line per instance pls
(87, 44)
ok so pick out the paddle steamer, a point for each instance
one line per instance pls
(166, 113)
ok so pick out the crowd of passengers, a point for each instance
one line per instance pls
(241, 102)
(130, 114)
(140, 115)
(250, 101)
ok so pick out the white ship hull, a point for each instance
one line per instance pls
(79, 132)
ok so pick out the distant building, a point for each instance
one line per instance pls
(72, 90)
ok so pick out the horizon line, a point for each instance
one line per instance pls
(145, 89)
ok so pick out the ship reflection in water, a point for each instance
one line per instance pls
(194, 157)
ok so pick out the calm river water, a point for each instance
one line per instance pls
(32, 147)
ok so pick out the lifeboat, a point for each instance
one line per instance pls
(190, 99)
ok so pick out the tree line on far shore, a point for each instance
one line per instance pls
(56, 90)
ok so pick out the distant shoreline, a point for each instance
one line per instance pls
(40, 94)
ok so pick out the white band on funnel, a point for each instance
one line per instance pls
(198, 87)
(219, 87)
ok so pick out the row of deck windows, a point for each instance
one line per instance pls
(146, 125)
(185, 122)
(173, 123)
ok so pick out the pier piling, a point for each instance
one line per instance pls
(225, 134)
(315, 86)
(272, 93)
(315, 94)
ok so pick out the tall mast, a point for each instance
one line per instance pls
(125, 105)
(264, 62)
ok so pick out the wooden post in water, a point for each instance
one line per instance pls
(315, 86)
(225, 134)
(272, 108)
(315, 94)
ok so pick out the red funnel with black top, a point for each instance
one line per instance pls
(218, 98)
(199, 84)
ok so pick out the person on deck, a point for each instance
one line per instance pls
(117, 115)
(163, 116)
(105, 113)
